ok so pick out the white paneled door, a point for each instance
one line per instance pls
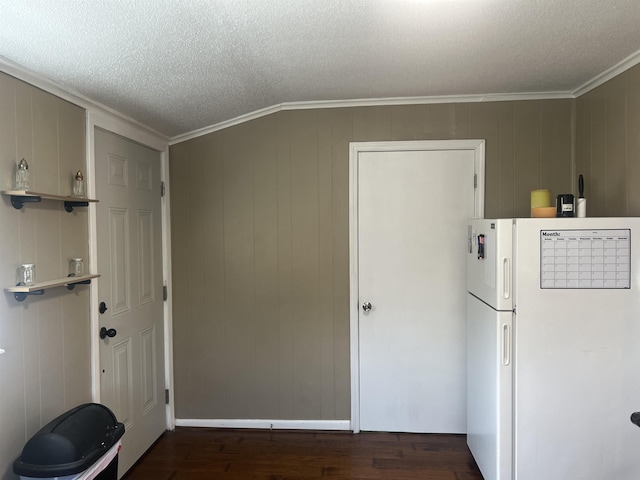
(130, 290)
(412, 206)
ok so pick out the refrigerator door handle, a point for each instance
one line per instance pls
(506, 345)
(506, 278)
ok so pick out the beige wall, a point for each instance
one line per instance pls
(608, 146)
(260, 243)
(46, 367)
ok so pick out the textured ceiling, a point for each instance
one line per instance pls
(181, 65)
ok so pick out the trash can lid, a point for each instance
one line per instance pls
(70, 443)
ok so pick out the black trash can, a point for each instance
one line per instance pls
(82, 443)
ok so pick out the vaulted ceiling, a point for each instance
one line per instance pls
(182, 65)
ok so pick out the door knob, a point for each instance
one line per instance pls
(102, 307)
(104, 333)
(366, 307)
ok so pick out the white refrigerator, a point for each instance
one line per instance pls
(553, 348)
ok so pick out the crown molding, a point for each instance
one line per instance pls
(18, 71)
(368, 102)
(631, 61)
(226, 124)
(22, 73)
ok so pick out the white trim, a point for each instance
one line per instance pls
(93, 256)
(35, 79)
(119, 126)
(134, 132)
(623, 66)
(43, 83)
(226, 124)
(478, 146)
(266, 424)
(425, 100)
(354, 294)
(368, 102)
(168, 279)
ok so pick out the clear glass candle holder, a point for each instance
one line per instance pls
(26, 274)
(76, 267)
(79, 189)
(22, 180)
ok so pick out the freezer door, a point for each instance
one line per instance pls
(577, 358)
(489, 265)
(489, 373)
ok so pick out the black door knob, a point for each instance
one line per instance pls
(102, 307)
(107, 333)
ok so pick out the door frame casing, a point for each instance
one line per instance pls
(110, 123)
(475, 145)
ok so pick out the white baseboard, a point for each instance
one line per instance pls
(266, 424)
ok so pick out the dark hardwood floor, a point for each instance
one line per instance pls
(202, 453)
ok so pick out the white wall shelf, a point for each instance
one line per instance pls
(20, 197)
(20, 292)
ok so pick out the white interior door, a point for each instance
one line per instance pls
(412, 211)
(130, 262)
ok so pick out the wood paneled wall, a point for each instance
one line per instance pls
(608, 146)
(46, 368)
(260, 227)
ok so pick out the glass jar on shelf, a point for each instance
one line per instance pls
(22, 180)
(76, 267)
(79, 189)
(26, 274)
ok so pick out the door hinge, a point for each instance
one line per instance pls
(162, 189)
(165, 292)
(475, 180)
(166, 396)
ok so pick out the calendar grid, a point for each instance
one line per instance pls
(589, 259)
